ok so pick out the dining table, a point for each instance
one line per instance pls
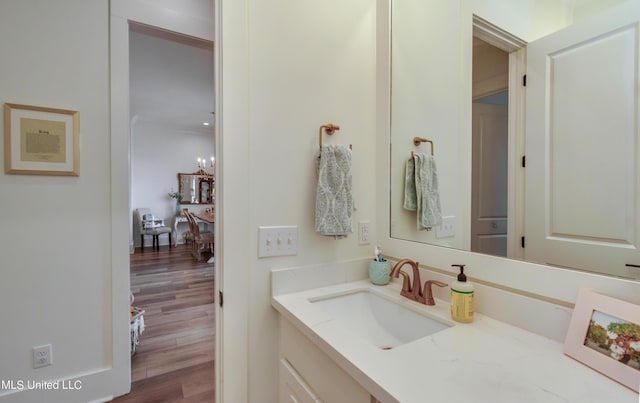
(207, 217)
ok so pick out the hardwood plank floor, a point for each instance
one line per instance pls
(174, 361)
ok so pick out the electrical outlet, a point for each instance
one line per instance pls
(277, 241)
(42, 356)
(447, 228)
(363, 232)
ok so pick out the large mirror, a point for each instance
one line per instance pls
(575, 204)
(196, 188)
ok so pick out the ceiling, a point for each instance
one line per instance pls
(171, 79)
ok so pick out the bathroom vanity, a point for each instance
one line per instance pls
(344, 339)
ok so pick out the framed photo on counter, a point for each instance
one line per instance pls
(604, 334)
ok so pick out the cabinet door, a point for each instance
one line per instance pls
(316, 376)
(293, 388)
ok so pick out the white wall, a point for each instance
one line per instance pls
(526, 19)
(171, 77)
(584, 9)
(533, 19)
(307, 64)
(423, 47)
(56, 244)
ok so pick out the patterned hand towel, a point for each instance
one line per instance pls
(334, 199)
(429, 214)
(410, 195)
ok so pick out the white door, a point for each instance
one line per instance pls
(582, 145)
(489, 179)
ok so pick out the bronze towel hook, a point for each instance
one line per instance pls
(419, 140)
(329, 128)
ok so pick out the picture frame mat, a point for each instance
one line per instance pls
(13, 163)
(588, 302)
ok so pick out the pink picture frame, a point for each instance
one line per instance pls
(604, 334)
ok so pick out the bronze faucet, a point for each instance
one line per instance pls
(427, 294)
(413, 291)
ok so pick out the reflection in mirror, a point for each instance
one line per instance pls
(424, 88)
(479, 151)
(196, 188)
(206, 188)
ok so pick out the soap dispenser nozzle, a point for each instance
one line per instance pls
(461, 277)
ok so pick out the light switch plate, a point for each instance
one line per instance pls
(363, 232)
(277, 241)
(448, 227)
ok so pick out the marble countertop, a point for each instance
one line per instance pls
(484, 361)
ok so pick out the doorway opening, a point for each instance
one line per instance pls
(501, 220)
(171, 137)
(489, 163)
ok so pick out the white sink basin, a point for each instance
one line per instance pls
(382, 322)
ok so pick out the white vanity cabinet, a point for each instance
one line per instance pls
(324, 358)
(306, 374)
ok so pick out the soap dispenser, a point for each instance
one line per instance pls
(461, 298)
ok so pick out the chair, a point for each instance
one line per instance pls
(200, 238)
(151, 226)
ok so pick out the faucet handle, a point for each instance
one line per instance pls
(428, 294)
(406, 286)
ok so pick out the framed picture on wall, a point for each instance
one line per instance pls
(41, 141)
(604, 334)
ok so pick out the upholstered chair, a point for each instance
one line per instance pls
(151, 227)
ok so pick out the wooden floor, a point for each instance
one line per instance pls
(174, 361)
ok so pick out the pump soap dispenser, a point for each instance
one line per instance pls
(461, 298)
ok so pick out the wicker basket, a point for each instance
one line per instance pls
(136, 327)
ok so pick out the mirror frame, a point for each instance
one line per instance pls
(203, 177)
(205, 192)
(542, 282)
(516, 48)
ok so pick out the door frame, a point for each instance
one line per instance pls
(516, 48)
(121, 14)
